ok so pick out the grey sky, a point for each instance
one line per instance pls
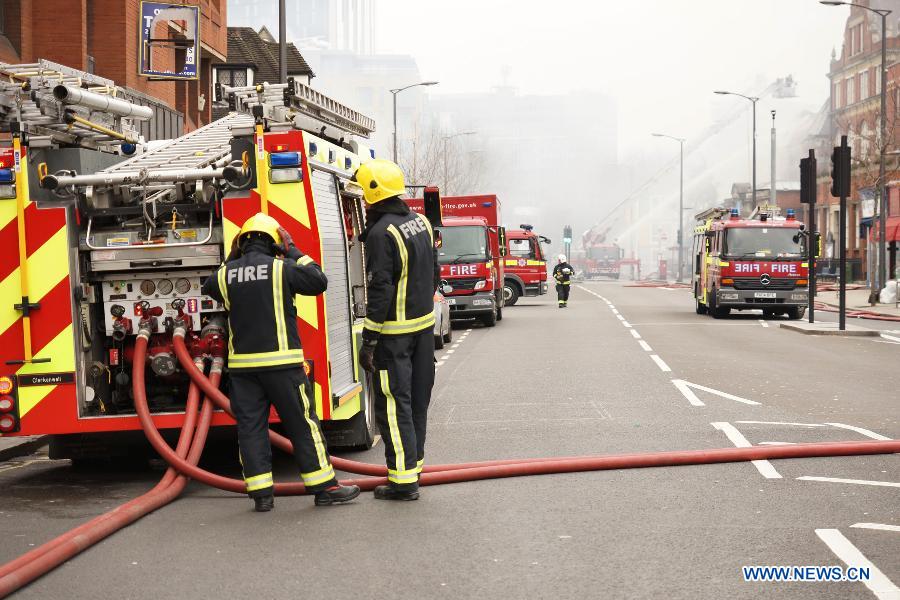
(660, 59)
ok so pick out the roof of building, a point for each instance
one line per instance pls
(248, 47)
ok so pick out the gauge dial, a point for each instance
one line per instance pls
(147, 287)
(164, 286)
(183, 286)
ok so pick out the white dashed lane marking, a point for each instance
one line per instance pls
(764, 467)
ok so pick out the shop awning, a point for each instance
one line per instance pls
(893, 229)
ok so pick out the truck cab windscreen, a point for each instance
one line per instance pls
(770, 243)
(603, 253)
(463, 244)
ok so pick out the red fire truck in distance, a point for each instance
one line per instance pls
(471, 253)
(749, 264)
(526, 264)
(601, 258)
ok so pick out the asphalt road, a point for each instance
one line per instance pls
(622, 370)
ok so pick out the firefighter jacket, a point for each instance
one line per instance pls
(402, 271)
(563, 273)
(257, 289)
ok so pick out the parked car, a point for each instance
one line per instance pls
(443, 334)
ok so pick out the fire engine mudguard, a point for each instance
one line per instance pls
(21, 571)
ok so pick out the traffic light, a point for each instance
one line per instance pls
(567, 234)
(808, 179)
(840, 169)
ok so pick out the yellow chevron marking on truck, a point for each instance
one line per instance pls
(63, 359)
(285, 196)
(46, 268)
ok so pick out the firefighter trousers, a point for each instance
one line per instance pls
(252, 395)
(403, 385)
(562, 293)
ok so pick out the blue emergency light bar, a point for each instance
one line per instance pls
(735, 212)
(7, 176)
(487, 204)
(790, 213)
(281, 160)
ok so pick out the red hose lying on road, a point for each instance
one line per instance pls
(30, 566)
(20, 571)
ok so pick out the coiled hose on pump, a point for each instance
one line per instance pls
(28, 567)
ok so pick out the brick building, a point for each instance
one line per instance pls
(854, 111)
(102, 37)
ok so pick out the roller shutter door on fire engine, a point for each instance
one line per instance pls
(337, 298)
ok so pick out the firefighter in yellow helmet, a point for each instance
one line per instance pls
(398, 342)
(257, 284)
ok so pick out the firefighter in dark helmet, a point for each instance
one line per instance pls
(257, 284)
(398, 340)
(563, 273)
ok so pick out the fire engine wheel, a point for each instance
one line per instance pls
(511, 293)
(700, 307)
(490, 319)
(795, 312)
(715, 311)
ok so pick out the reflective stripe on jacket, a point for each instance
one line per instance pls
(258, 292)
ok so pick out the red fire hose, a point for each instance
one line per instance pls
(30, 566)
(20, 571)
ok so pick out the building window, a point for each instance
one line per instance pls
(836, 95)
(863, 85)
(232, 77)
(851, 90)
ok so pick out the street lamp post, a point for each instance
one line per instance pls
(680, 201)
(446, 139)
(395, 92)
(753, 100)
(882, 204)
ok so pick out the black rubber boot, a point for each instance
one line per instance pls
(388, 492)
(337, 494)
(264, 503)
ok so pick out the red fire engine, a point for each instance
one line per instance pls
(749, 264)
(473, 245)
(526, 264)
(91, 249)
(601, 258)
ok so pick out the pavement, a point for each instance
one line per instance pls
(14, 447)
(858, 299)
(621, 370)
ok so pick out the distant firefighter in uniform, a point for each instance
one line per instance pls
(398, 337)
(257, 284)
(562, 273)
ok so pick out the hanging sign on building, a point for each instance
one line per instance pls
(170, 40)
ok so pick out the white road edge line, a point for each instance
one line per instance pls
(782, 423)
(720, 393)
(661, 363)
(860, 430)
(763, 323)
(687, 392)
(764, 467)
(878, 583)
(890, 337)
(645, 345)
(850, 481)
(635, 334)
(878, 526)
(626, 324)
(620, 317)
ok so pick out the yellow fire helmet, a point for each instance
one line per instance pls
(261, 223)
(380, 179)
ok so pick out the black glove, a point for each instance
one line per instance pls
(367, 355)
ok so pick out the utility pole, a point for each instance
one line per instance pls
(840, 187)
(282, 42)
(808, 193)
(773, 191)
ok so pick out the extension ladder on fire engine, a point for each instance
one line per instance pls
(34, 100)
